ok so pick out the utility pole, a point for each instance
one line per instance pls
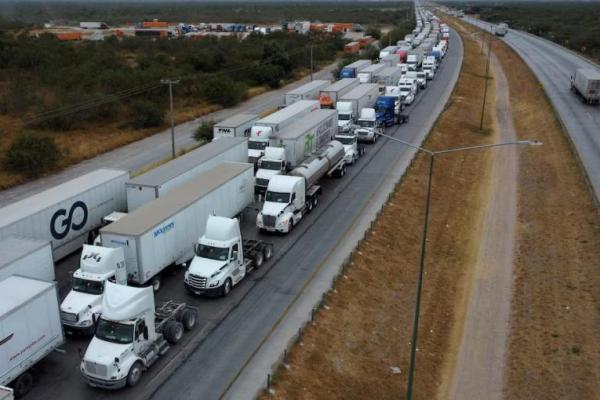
(171, 82)
(487, 78)
(311, 62)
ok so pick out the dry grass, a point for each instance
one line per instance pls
(349, 352)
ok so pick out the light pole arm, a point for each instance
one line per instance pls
(484, 146)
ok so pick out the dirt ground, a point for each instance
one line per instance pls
(359, 345)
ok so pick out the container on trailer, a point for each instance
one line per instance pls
(238, 125)
(26, 257)
(366, 75)
(388, 76)
(362, 96)
(307, 135)
(163, 179)
(352, 70)
(329, 96)
(308, 91)
(161, 233)
(30, 325)
(67, 213)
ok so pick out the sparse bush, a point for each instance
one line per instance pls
(31, 155)
(204, 133)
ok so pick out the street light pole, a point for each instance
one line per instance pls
(171, 82)
(432, 154)
(485, 86)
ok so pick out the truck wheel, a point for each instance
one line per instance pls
(315, 201)
(226, 288)
(23, 384)
(309, 206)
(188, 319)
(135, 374)
(258, 259)
(174, 332)
(268, 251)
(156, 284)
(290, 225)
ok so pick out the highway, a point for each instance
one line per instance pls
(553, 65)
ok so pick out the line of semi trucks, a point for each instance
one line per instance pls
(186, 213)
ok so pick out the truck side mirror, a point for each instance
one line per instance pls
(196, 248)
(94, 319)
(145, 332)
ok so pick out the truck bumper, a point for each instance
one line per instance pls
(103, 383)
(210, 292)
(74, 329)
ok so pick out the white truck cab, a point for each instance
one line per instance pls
(284, 204)
(272, 163)
(429, 67)
(345, 117)
(83, 303)
(258, 141)
(222, 259)
(367, 129)
(422, 79)
(403, 68)
(352, 150)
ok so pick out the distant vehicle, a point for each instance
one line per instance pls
(93, 25)
(586, 84)
(30, 328)
(501, 29)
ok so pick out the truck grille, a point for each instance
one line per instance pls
(69, 317)
(269, 220)
(95, 369)
(262, 182)
(197, 281)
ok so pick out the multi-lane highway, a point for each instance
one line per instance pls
(230, 328)
(553, 65)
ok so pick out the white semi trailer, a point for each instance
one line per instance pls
(330, 95)
(161, 233)
(67, 214)
(366, 75)
(163, 179)
(238, 125)
(308, 91)
(29, 328)
(290, 197)
(26, 257)
(586, 84)
(350, 104)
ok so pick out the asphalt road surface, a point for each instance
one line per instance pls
(229, 328)
(553, 65)
(157, 147)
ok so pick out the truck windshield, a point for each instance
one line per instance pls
(87, 286)
(115, 332)
(345, 140)
(369, 124)
(343, 117)
(274, 165)
(277, 197)
(256, 145)
(211, 252)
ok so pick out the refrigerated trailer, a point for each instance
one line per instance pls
(30, 328)
(26, 257)
(238, 125)
(309, 91)
(163, 179)
(67, 214)
(161, 233)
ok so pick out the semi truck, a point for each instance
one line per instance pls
(29, 328)
(414, 59)
(26, 257)
(366, 75)
(501, 29)
(350, 104)
(131, 335)
(223, 259)
(385, 111)
(586, 84)
(391, 60)
(352, 70)
(367, 127)
(93, 25)
(293, 144)
(290, 197)
(264, 128)
(238, 125)
(388, 76)
(429, 67)
(352, 149)
(308, 91)
(387, 51)
(67, 214)
(330, 95)
(165, 178)
(160, 233)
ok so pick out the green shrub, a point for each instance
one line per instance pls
(31, 155)
(223, 91)
(146, 114)
(204, 133)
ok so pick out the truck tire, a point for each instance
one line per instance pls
(155, 283)
(258, 259)
(135, 374)
(315, 201)
(268, 251)
(291, 225)
(173, 332)
(188, 319)
(23, 384)
(226, 288)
